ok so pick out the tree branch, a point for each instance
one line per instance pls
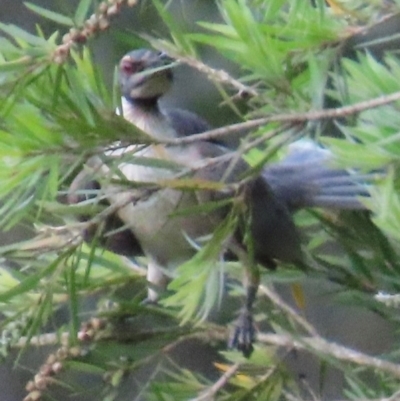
(324, 347)
(209, 394)
(294, 118)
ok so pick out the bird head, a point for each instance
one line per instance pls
(145, 74)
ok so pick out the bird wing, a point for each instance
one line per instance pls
(186, 123)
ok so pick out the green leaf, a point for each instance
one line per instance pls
(14, 65)
(19, 34)
(84, 367)
(30, 282)
(357, 155)
(198, 284)
(81, 11)
(180, 39)
(50, 15)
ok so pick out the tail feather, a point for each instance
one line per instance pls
(349, 202)
(305, 178)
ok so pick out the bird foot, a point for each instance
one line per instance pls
(243, 334)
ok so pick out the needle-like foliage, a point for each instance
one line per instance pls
(304, 69)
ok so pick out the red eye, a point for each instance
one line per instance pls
(128, 66)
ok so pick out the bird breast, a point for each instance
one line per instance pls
(150, 211)
(152, 121)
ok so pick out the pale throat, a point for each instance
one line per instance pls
(150, 120)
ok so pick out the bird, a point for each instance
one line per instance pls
(147, 221)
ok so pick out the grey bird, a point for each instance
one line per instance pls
(146, 221)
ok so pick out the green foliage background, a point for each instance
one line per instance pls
(56, 111)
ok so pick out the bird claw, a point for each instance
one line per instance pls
(243, 334)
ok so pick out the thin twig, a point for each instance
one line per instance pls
(99, 21)
(277, 300)
(42, 340)
(289, 118)
(317, 344)
(220, 76)
(263, 138)
(331, 349)
(238, 155)
(208, 395)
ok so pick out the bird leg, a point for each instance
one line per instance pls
(243, 334)
(156, 279)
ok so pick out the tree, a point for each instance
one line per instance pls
(305, 68)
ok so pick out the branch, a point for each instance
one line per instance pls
(216, 75)
(42, 340)
(276, 299)
(220, 76)
(290, 118)
(210, 393)
(97, 22)
(394, 397)
(327, 348)
(318, 344)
